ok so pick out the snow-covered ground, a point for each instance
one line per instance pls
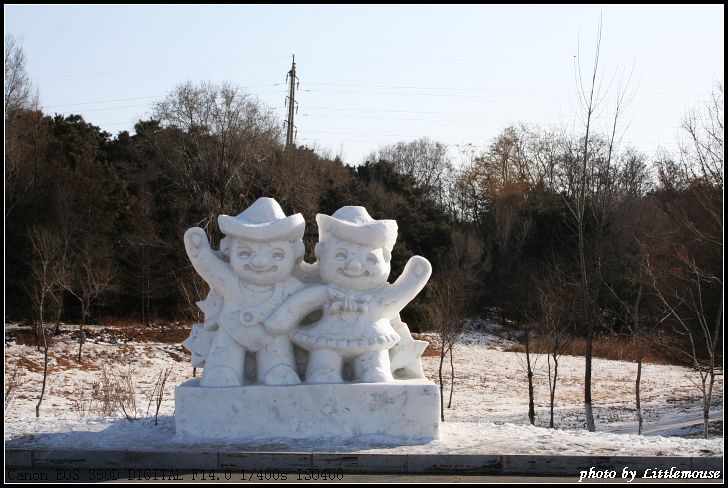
(488, 414)
(491, 386)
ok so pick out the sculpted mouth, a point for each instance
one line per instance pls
(261, 271)
(365, 274)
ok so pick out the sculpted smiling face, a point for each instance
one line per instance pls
(352, 266)
(262, 263)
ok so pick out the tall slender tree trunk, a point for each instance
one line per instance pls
(706, 406)
(553, 389)
(640, 356)
(589, 324)
(442, 391)
(57, 328)
(45, 363)
(531, 405)
(707, 397)
(586, 301)
(580, 215)
(45, 376)
(589, 414)
(452, 378)
(145, 285)
(38, 338)
(81, 337)
(711, 368)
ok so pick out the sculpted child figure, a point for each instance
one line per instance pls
(354, 253)
(264, 246)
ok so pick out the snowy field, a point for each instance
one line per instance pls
(488, 415)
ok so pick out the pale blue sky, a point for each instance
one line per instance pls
(372, 75)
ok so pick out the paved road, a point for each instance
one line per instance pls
(92, 476)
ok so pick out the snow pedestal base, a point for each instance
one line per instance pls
(406, 409)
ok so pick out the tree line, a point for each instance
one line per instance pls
(567, 235)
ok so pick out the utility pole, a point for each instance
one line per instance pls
(291, 101)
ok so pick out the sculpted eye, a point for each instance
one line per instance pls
(245, 253)
(278, 254)
(341, 254)
(372, 259)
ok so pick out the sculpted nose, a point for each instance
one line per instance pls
(353, 266)
(260, 261)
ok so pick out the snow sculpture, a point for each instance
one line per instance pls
(361, 368)
(251, 278)
(405, 356)
(354, 253)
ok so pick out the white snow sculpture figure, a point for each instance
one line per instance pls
(354, 253)
(405, 356)
(264, 247)
(201, 335)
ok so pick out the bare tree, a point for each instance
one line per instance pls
(450, 295)
(425, 160)
(553, 314)
(636, 310)
(220, 139)
(686, 304)
(530, 366)
(147, 247)
(157, 393)
(86, 270)
(594, 186)
(632, 317)
(26, 132)
(94, 278)
(466, 200)
(14, 378)
(446, 315)
(18, 88)
(687, 277)
(578, 212)
(48, 259)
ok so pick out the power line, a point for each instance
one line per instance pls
(385, 135)
(390, 142)
(379, 59)
(101, 101)
(214, 63)
(108, 108)
(139, 98)
(131, 106)
(384, 93)
(350, 109)
(409, 87)
(477, 122)
(362, 92)
(157, 68)
(327, 108)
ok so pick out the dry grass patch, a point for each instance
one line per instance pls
(605, 347)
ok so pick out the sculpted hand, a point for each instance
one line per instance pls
(195, 241)
(255, 338)
(276, 327)
(420, 266)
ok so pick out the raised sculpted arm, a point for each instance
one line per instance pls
(214, 270)
(295, 308)
(408, 285)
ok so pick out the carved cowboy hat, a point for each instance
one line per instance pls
(354, 224)
(264, 220)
